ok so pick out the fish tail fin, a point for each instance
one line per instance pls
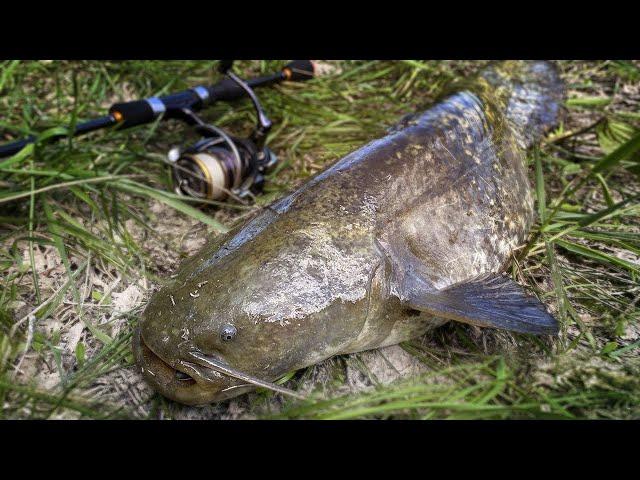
(535, 95)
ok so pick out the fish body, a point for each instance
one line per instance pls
(393, 240)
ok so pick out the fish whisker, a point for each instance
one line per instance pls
(233, 387)
(206, 361)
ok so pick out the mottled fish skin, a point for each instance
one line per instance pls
(320, 272)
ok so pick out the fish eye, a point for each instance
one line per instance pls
(228, 332)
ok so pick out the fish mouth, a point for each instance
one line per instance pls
(182, 381)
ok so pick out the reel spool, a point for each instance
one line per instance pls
(217, 168)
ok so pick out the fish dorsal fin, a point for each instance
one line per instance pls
(490, 300)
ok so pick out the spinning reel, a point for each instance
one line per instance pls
(219, 166)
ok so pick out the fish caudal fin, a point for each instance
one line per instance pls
(491, 300)
(536, 93)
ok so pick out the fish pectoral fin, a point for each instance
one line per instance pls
(491, 300)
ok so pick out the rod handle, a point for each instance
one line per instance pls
(299, 70)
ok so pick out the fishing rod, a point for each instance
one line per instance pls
(217, 166)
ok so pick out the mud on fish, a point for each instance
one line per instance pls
(397, 238)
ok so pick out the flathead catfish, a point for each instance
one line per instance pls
(402, 235)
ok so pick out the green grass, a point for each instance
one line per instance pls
(86, 219)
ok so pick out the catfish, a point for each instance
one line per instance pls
(406, 233)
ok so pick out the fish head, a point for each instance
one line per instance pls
(194, 324)
(235, 316)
